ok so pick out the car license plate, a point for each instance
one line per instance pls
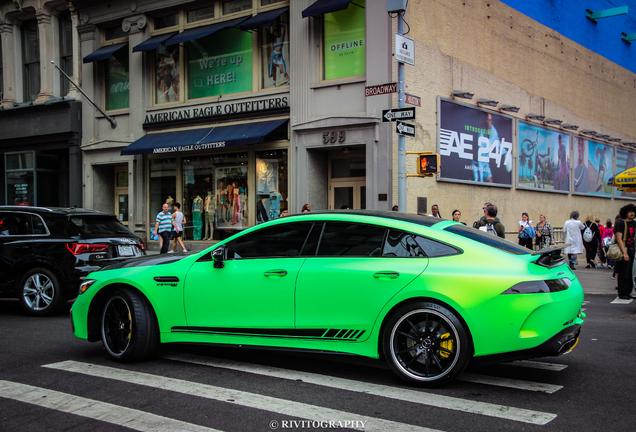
(126, 250)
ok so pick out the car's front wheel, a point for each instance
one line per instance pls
(129, 328)
(425, 344)
(40, 293)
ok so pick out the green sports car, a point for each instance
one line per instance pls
(428, 295)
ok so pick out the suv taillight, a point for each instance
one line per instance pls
(80, 248)
(142, 246)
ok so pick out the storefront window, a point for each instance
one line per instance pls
(201, 14)
(214, 194)
(271, 184)
(117, 84)
(234, 6)
(275, 53)
(166, 21)
(168, 74)
(20, 188)
(344, 42)
(220, 64)
(163, 186)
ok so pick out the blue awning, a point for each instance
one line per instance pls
(153, 42)
(199, 32)
(264, 19)
(207, 138)
(103, 53)
(322, 7)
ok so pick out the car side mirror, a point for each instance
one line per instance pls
(218, 256)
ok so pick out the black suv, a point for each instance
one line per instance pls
(45, 253)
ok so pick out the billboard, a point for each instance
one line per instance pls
(625, 159)
(544, 159)
(475, 146)
(593, 164)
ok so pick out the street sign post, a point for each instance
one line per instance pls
(404, 49)
(394, 114)
(404, 128)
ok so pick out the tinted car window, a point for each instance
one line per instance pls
(38, 225)
(351, 239)
(284, 240)
(407, 245)
(15, 224)
(311, 244)
(487, 239)
(98, 225)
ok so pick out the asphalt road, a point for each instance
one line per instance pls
(50, 381)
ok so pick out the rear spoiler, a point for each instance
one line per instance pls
(550, 256)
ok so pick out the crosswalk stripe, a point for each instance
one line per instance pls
(102, 411)
(621, 301)
(415, 396)
(538, 365)
(238, 397)
(510, 383)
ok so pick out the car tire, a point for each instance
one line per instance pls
(426, 344)
(128, 326)
(40, 293)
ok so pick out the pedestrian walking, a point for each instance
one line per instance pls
(435, 211)
(572, 229)
(544, 233)
(606, 240)
(591, 238)
(178, 220)
(163, 226)
(456, 216)
(491, 223)
(526, 231)
(625, 238)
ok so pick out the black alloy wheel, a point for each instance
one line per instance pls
(129, 328)
(426, 344)
(40, 293)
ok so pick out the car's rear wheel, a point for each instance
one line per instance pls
(40, 293)
(425, 344)
(129, 328)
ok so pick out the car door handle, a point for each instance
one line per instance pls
(275, 273)
(386, 274)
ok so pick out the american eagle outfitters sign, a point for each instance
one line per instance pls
(216, 110)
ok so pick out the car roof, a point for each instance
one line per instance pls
(57, 210)
(400, 216)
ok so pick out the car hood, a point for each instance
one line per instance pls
(150, 260)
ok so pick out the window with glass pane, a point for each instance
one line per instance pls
(344, 42)
(163, 186)
(116, 32)
(351, 239)
(201, 14)
(269, 2)
(215, 194)
(168, 74)
(271, 184)
(166, 21)
(284, 240)
(1, 73)
(31, 60)
(117, 84)
(21, 188)
(220, 64)
(66, 50)
(275, 53)
(234, 6)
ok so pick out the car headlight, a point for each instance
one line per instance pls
(86, 285)
(544, 286)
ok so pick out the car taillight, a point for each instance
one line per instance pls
(80, 248)
(142, 246)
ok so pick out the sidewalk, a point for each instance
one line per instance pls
(596, 280)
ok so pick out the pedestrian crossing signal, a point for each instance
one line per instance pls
(428, 164)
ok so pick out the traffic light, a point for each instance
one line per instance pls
(428, 164)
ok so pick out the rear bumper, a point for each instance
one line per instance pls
(559, 344)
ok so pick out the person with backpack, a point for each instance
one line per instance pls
(572, 229)
(490, 223)
(526, 231)
(591, 237)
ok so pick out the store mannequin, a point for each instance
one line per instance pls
(236, 217)
(210, 210)
(275, 200)
(197, 207)
(222, 193)
(170, 202)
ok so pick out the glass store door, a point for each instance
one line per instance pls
(350, 193)
(121, 194)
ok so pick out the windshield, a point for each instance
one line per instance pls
(101, 225)
(487, 239)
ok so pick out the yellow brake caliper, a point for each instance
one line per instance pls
(448, 344)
